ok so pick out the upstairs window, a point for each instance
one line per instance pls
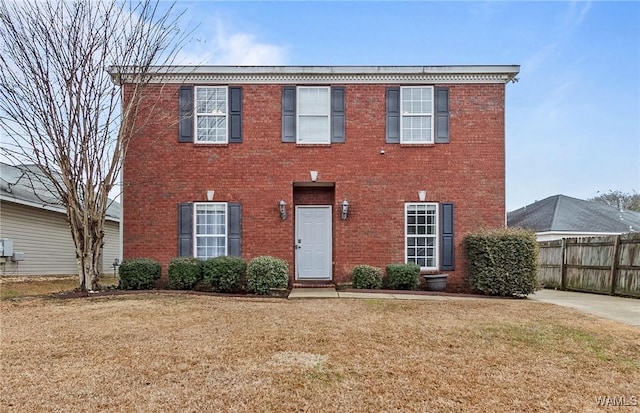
(416, 109)
(211, 114)
(314, 109)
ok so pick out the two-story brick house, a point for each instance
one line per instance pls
(326, 167)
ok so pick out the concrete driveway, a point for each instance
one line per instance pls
(625, 310)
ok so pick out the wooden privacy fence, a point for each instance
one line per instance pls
(608, 264)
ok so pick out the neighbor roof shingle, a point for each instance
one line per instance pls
(27, 183)
(563, 213)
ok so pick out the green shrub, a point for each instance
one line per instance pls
(138, 274)
(265, 273)
(225, 274)
(502, 262)
(366, 276)
(403, 276)
(184, 273)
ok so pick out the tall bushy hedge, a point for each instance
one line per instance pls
(184, 273)
(138, 274)
(366, 276)
(502, 262)
(225, 274)
(403, 276)
(265, 273)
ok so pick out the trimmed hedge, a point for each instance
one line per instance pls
(138, 274)
(502, 262)
(366, 277)
(265, 273)
(403, 276)
(184, 273)
(225, 274)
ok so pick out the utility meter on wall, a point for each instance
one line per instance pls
(6, 248)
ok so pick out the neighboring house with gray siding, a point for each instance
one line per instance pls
(561, 216)
(37, 227)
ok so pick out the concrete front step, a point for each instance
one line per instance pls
(313, 284)
(316, 292)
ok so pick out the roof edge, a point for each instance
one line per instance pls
(319, 74)
(46, 207)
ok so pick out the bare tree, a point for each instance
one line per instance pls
(622, 200)
(59, 108)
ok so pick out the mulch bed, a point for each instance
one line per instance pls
(115, 292)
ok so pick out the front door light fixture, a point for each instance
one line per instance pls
(345, 209)
(282, 207)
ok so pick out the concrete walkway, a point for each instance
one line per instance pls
(332, 293)
(625, 310)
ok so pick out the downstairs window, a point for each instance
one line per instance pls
(421, 235)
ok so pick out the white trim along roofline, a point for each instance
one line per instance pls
(210, 74)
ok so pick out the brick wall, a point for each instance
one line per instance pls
(470, 172)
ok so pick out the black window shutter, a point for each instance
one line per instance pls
(235, 115)
(185, 229)
(337, 115)
(234, 232)
(289, 114)
(393, 115)
(442, 115)
(446, 237)
(185, 113)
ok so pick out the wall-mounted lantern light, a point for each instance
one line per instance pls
(282, 206)
(345, 209)
(210, 195)
(115, 265)
(422, 195)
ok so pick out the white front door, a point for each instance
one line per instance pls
(313, 242)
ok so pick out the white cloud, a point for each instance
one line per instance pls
(561, 34)
(213, 43)
(576, 14)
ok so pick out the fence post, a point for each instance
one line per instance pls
(614, 264)
(563, 267)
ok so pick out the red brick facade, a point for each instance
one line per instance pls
(375, 177)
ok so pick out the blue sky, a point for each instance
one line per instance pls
(573, 119)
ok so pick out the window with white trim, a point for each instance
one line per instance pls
(421, 234)
(210, 229)
(313, 111)
(211, 114)
(416, 110)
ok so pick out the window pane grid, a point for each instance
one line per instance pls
(212, 128)
(416, 128)
(417, 100)
(421, 230)
(211, 114)
(211, 100)
(417, 110)
(210, 230)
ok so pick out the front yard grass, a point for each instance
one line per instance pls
(176, 352)
(14, 287)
